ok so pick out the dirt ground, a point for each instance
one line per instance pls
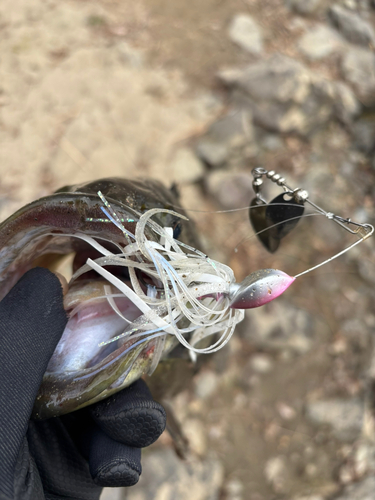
(119, 88)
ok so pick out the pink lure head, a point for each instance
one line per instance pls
(259, 288)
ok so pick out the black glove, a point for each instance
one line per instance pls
(74, 456)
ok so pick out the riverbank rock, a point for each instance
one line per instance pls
(231, 190)
(364, 135)
(358, 68)
(276, 328)
(352, 26)
(364, 490)
(345, 417)
(304, 7)
(166, 477)
(285, 96)
(320, 42)
(230, 135)
(246, 33)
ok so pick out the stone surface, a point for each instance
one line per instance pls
(245, 32)
(186, 167)
(231, 134)
(358, 68)
(359, 462)
(346, 106)
(167, 477)
(230, 190)
(272, 142)
(285, 96)
(194, 431)
(364, 490)
(303, 7)
(233, 490)
(112, 494)
(212, 152)
(364, 135)
(205, 384)
(261, 363)
(278, 328)
(352, 26)
(309, 497)
(345, 417)
(276, 472)
(320, 42)
(234, 129)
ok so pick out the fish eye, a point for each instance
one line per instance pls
(177, 228)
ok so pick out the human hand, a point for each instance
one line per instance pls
(73, 456)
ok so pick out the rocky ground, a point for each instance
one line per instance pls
(199, 93)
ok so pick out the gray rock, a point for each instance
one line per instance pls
(364, 490)
(304, 7)
(346, 105)
(231, 190)
(285, 96)
(234, 489)
(167, 477)
(276, 327)
(320, 42)
(364, 135)
(205, 384)
(309, 497)
(112, 494)
(366, 267)
(246, 33)
(352, 26)
(233, 132)
(276, 472)
(212, 152)
(344, 416)
(358, 68)
(186, 167)
(272, 142)
(359, 462)
(261, 363)
(234, 129)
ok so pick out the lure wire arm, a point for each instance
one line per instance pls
(368, 234)
(301, 195)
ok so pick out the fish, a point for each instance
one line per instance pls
(141, 288)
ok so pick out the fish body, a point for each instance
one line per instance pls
(48, 227)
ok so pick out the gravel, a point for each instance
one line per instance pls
(304, 7)
(285, 96)
(166, 477)
(364, 490)
(320, 42)
(345, 417)
(246, 33)
(352, 26)
(358, 69)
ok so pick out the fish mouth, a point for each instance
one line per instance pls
(93, 321)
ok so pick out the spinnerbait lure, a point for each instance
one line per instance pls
(152, 288)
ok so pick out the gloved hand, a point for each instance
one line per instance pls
(74, 456)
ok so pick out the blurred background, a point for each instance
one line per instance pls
(198, 93)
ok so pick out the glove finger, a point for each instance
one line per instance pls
(111, 463)
(32, 320)
(63, 470)
(131, 416)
